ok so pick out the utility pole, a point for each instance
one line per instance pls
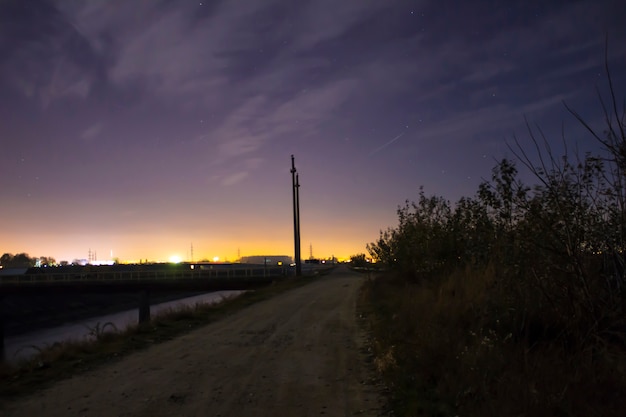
(295, 182)
(299, 262)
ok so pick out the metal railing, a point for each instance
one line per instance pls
(129, 275)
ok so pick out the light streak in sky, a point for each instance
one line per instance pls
(380, 148)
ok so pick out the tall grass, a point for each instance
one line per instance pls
(448, 349)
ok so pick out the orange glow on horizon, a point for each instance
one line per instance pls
(227, 239)
(130, 252)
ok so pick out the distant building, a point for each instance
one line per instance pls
(267, 260)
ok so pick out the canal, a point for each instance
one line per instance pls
(26, 345)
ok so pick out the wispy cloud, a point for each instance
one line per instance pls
(255, 80)
(234, 179)
(92, 132)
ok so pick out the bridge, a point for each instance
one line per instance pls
(128, 278)
(142, 279)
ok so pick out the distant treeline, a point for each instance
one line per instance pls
(23, 260)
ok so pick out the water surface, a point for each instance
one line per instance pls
(26, 345)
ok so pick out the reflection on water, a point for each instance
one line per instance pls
(26, 345)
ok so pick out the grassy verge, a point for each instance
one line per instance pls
(64, 360)
(450, 348)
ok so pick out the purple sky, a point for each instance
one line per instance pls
(141, 127)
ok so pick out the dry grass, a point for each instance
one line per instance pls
(455, 348)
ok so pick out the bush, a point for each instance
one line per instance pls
(511, 302)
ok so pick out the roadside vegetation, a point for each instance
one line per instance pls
(510, 302)
(63, 360)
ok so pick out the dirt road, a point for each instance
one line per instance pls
(297, 354)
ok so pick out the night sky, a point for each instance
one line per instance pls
(138, 128)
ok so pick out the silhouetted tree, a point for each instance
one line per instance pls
(46, 261)
(5, 259)
(358, 260)
(21, 260)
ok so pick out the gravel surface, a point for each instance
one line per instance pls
(297, 354)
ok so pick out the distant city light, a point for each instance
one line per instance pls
(106, 262)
